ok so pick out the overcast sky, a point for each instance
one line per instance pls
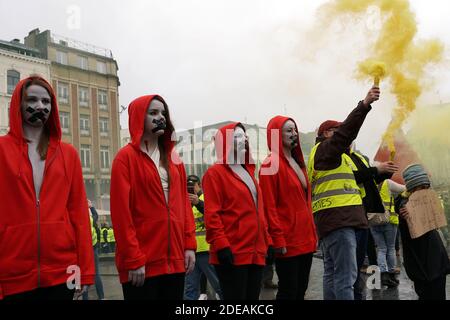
(217, 60)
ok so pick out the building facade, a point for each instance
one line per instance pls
(16, 63)
(86, 82)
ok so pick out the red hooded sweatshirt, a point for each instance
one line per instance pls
(149, 232)
(231, 217)
(287, 206)
(41, 238)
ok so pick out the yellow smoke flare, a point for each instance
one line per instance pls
(396, 55)
(374, 69)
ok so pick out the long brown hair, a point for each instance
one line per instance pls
(161, 140)
(42, 147)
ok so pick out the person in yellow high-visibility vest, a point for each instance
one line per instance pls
(336, 199)
(111, 240)
(202, 266)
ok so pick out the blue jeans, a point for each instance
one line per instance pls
(384, 237)
(98, 279)
(192, 281)
(340, 267)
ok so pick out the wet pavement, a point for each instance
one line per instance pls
(405, 291)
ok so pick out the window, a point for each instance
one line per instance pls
(103, 99)
(83, 96)
(65, 121)
(61, 57)
(85, 155)
(85, 126)
(104, 157)
(104, 127)
(63, 93)
(83, 62)
(101, 67)
(13, 78)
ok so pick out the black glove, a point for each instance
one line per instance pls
(225, 257)
(270, 257)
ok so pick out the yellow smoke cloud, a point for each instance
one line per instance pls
(396, 55)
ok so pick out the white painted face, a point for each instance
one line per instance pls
(36, 107)
(289, 135)
(155, 119)
(240, 144)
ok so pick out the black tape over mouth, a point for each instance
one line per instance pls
(37, 115)
(160, 125)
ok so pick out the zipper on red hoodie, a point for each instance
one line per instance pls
(38, 213)
(167, 207)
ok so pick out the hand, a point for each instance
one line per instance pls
(404, 213)
(372, 96)
(225, 257)
(194, 199)
(270, 257)
(387, 168)
(189, 261)
(79, 292)
(137, 277)
(281, 251)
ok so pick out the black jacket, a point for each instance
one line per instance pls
(370, 178)
(425, 258)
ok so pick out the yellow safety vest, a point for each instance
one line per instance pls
(111, 237)
(333, 188)
(93, 231)
(388, 202)
(200, 230)
(102, 238)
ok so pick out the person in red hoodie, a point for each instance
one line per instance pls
(234, 216)
(150, 209)
(45, 232)
(287, 202)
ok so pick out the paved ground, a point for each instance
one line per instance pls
(405, 291)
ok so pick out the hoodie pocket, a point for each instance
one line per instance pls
(58, 245)
(18, 250)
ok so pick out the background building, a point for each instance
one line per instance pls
(17, 62)
(85, 79)
(196, 146)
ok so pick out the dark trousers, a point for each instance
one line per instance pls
(293, 276)
(203, 284)
(56, 293)
(431, 290)
(267, 273)
(240, 282)
(165, 287)
(397, 240)
(362, 236)
(371, 251)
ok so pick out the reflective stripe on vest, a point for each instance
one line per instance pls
(334, 188)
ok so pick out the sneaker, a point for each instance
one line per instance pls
(397, 270)
(203, 296)
(393, 277)
(387, 281)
